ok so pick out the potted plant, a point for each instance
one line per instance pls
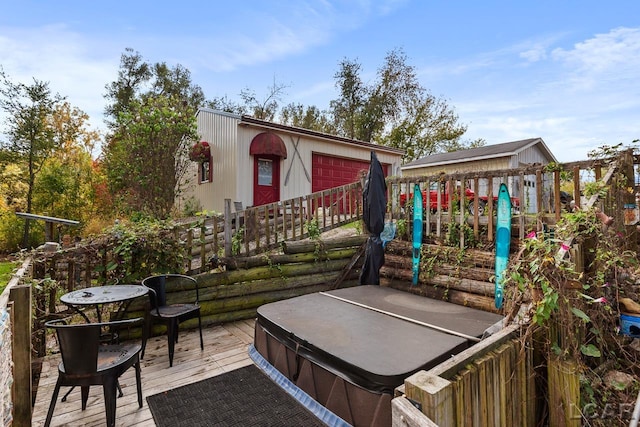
(200, 152)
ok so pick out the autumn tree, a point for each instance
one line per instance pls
(64, 187)
(152, 119)
(29, 130)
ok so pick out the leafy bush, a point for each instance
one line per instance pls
(575, 314)
(142, 248)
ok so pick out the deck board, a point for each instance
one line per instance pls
(225, 349)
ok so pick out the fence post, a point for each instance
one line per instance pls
(227, 227)
(20, 297)
(629, 199)
(434, 394)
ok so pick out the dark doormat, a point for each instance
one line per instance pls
(244, 397)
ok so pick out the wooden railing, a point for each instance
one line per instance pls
(15, 351)
(535, 190)
(261, 228)
(491, 383)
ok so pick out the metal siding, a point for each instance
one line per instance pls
(462, 167)
(220, 131)
(532, 155)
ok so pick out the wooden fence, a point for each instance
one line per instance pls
(15, 352)
(489, 384)
(467, 213)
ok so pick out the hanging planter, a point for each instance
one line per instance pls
(200, 152)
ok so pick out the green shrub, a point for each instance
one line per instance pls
(142, 248)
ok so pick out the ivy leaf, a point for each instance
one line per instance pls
(590, 350)
(581, 314)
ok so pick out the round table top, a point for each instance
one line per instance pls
(104, 294)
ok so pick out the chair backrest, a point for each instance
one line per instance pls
(78, 346)
(80, 343)
(159, 283)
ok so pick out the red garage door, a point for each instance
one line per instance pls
(329, 171)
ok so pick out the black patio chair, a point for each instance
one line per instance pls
(86, 362)
(171, 314)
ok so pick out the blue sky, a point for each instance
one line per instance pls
(565, 71)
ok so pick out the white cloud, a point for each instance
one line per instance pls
(63, 59)
(605, 61)
(535, 54)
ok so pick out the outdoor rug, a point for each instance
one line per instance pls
(243, 397)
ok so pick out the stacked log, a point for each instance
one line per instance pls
(446, 273)
(240, 285)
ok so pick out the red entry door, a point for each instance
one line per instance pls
(266, 179)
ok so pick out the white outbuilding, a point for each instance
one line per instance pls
(254, 162)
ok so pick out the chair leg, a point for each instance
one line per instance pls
(109, 391)
(84, 391)
(138, 382)
(172, 331)
(64, 398)
(200, 327)
(146, 333)
(52, 405)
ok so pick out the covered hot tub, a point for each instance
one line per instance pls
(350, 348)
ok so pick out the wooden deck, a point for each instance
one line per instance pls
(225, 349)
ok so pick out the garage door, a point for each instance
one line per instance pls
(329, 171)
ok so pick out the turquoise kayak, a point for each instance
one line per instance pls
(417, 232)
(503, 241)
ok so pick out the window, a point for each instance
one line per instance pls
(205, 172)
(265, 172)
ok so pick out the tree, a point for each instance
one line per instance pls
(64, 186)
(132, 75)
(395, 110)
(152, 117)
(429, 127)
(311, 118)
(146, 159)
(264, 109)
(31, 135)
(349, 108)
(225, 104)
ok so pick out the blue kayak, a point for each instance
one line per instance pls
(417, 232)
(503, 241)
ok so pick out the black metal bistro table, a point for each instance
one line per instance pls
(98, 296)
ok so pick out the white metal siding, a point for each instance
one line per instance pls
(220, 131)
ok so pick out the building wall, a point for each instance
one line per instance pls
(461, 167)
(220, 131)
(296, 170)
(233, 166)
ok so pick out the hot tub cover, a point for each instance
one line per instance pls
(368, 348)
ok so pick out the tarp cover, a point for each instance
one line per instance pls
(374, 207)
(368, 348)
